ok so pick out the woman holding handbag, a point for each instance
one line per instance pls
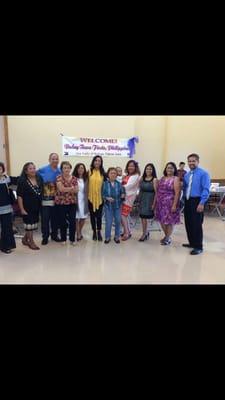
(7, 238)
(130, 183)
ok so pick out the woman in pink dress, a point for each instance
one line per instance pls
(167, 202)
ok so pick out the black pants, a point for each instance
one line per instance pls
(95, 217)
(7, 238)
(193, 222)
(67, 214)
(49, 215)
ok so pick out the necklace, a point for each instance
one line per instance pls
(35, 189)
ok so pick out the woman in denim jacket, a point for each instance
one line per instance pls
(113, 194)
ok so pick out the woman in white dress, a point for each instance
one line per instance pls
(80, 173)
(131, 184)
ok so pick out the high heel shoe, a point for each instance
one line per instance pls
(126, 237)
(79, 238)
(99, 236)
(143, 239)
(94, 236)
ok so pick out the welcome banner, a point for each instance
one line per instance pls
(89, 147)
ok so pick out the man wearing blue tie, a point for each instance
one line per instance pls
(196, 187)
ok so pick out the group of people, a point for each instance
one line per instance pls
(64, 198)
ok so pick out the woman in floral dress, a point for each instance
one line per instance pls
(167, 202)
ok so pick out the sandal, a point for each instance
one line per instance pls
(166, 242)
(125, 237)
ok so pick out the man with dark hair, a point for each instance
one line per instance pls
(49, 174)
(181, 171)
(196, 187)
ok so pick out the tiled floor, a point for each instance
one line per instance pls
(130, 262)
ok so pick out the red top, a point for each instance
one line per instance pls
(66, 198)
(125, 180)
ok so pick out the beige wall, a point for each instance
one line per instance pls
(162, 139)
(33, 138)
(151, 131)
(204, 135)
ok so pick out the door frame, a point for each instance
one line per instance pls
(6, 143)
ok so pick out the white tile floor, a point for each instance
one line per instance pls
(130, 262)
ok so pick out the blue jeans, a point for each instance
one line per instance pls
(110, 213)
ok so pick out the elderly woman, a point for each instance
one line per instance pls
(7, 239)
(113, 194)
(66, 202)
